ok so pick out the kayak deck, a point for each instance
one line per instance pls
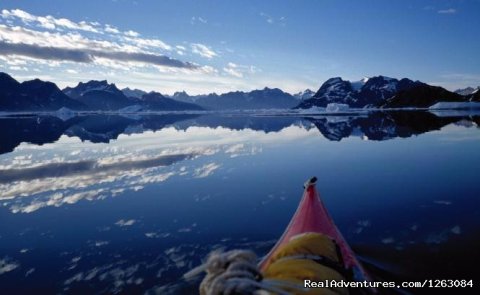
(312, 216)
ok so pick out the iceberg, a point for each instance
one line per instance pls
(64, 113)
(312, 110)
(446, 105)
(337, 107)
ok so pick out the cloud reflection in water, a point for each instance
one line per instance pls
(67, 171)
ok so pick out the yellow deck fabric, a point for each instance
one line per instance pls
(296, 270)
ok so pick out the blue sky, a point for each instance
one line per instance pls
(207, 46)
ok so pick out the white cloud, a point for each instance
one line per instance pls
(111, 29)
(17, 13)
(254, 69)
(145, 43)
(71, 40)
(267, 17)
(120, 54)
(77, 48)
(447, 11)
(203, 50)
(198, 19)
(239, 71)
(208, 70)
(232, 69)
(18, 68)
(131, 33)
(47, 22)
(272, 20)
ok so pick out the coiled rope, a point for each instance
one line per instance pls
(236, 272)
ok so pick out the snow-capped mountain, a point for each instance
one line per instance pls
(422, 96)
(334, 90)
(93, 85)
(303, 95)
(467, 91)
(184, 96)
(366, 92)
(475, 96)
(136, 93)
(99, 95)
(33, 95)
(470, 93)
(267, 98)
(357, 85)
(156, 101)
(379, 91)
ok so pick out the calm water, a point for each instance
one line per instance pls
(127, 204)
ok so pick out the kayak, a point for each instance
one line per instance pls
(311, 216)
(311, 249)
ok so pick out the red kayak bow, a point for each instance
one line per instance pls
(311, 216)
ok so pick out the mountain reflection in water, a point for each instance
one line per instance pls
(127, 204)
(103, 128)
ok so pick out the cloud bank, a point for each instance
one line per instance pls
(60, 39)
(65, 51)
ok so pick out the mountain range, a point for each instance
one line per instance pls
(267, 98)
(383, 92)
(34, 95)
(100, 95)
(374, 92)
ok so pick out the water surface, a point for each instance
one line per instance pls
(127, 204)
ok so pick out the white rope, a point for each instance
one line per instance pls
(234, 273)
